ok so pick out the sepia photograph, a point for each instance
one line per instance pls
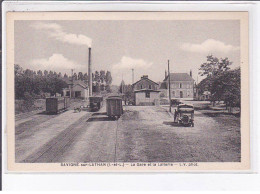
(128, 91)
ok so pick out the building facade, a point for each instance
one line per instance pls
(77, 89)
(146, 92)
(182, 86)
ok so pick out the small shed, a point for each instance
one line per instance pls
(146, 97)
(78, 90)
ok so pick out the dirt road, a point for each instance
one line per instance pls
(150, 135)
(142, 134)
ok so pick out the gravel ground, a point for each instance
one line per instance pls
(142, 134)
(148, 134)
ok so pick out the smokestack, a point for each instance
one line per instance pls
(190, 73)
(89, 72)
(133, 77)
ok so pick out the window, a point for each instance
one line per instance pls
(147, 94)
(181, 94)
(173, 93)
(150, 86)
(180, 85)
(141, 86)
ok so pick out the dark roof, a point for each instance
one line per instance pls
(67, 80)
(145, 79)
(82, 85)
(76, 82)
(179, 77)
(163, 85)
(146, 90)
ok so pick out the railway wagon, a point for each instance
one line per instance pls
(114, 106)
(95, 103)
(55, 105)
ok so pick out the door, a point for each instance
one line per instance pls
(77, 94)
(181, 94)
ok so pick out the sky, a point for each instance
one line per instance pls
(119, 46)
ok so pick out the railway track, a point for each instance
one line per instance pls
(26, 115)
(56, 146)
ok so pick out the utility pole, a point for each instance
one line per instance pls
(169, 80)
(122, 84)
(133, 76)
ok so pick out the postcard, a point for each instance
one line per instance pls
(127, 91)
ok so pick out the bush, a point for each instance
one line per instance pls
(29, 100)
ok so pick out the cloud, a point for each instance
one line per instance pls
(55, 31)
(55, 62)
(127, 63)
(209, 46)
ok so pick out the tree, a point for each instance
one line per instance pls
(213, 69)
(30, 84)
(80, 76)
(213, 66)
(108, 89)
(102, 76)
(39, 73)
(51, 74)
(85, 77)
(122, 87)
(127, 91)
(46, 73)
(227, 87)
(97, 76)
(96, 87)
(55, 74)
(108, 78)
(18, 70)
(28, 73)
(75, 77)
(65, 75)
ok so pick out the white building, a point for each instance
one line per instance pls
(77, 90)
(182, 86)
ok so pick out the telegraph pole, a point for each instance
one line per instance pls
(169, 81)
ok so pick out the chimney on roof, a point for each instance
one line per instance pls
(144, 77)
(190, 73)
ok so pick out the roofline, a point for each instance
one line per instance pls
(81, 86)
(143, 79)
(145, 90)
(180, 81)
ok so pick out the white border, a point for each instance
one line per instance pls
(147, 181)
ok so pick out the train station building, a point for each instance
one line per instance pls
(182, 86)
(146, 92)
(77, 89)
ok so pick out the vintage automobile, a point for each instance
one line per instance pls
(185, 114)
(95, 103)
(175, 102)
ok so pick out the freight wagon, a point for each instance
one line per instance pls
(95, 103)
(56, 105)
(114, 106)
